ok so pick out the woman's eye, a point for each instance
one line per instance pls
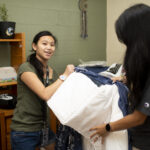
(44, 43)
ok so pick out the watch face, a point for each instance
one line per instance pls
(108, 128)
(62, 77)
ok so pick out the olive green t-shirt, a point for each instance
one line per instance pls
(28, 114)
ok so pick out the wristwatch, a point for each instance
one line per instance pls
(107, 127)
(62, 77)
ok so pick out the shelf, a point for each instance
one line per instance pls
(10, 40)
(7, 112)
(18, 38)
(17, 57)
(8, 83)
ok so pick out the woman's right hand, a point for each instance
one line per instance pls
(69, 69)
(114, 79)
(120, 78)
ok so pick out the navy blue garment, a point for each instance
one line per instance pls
(101, 80)
(95, 77)
(97, 69)
(67, 139)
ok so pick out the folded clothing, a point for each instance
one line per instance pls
(115, 70)
(7, 74)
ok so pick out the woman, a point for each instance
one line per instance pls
(133, 29)
(36, 84)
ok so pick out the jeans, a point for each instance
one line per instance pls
(28, 140)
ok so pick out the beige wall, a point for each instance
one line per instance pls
(114, 49)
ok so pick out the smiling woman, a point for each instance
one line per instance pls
(37, 82)
(45, 48)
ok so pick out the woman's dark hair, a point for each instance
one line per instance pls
(32, 58)
(133, 29)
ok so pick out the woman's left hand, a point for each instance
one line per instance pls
(99, 131)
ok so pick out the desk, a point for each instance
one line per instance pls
(5, 121)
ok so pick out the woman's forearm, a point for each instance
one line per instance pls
(50, 90)
(132, 120)
(33, 82)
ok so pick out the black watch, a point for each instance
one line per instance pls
(107, 127)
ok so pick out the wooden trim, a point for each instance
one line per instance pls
(3, 131)
(10, 40)
(8, 83)
(17, 38)
(53, 122)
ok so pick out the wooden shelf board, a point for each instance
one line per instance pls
(7, 112)
(10, 40)
(8, 83)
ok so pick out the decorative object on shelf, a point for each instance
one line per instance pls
(83, 8)
(7, 28)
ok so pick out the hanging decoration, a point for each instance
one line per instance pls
(83, 8)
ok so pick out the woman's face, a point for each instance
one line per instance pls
(44, 48)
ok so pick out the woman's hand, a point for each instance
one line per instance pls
(69, 69)
(114, 79)
(99, 131)
(120, 78)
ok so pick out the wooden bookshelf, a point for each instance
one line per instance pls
(17, 52)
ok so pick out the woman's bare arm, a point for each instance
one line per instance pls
(33, 82)
(129, 121)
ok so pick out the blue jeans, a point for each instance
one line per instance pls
(28, 140)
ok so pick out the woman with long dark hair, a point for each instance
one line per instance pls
(133, 29)
(37, 82)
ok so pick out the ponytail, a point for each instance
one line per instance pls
(37, 64)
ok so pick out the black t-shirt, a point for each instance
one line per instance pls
(141, 134)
